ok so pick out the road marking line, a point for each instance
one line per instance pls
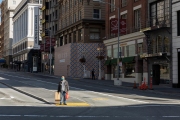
(74, 104)
(87, 116)
(100, 99)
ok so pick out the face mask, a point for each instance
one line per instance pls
(62, 78)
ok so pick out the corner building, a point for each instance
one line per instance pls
(80, 32)
(132, 41)
(25, 56)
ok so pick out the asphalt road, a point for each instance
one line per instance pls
(32, 98)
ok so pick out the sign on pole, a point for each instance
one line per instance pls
(36, 28)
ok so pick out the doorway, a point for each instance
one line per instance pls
(156, 74)
(178, 70)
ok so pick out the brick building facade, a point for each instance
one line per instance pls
(132, 43)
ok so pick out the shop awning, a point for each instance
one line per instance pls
(2, 61)
(114, 62)
(107, 62)
(128, 59)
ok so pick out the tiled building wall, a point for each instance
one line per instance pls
(89, 50)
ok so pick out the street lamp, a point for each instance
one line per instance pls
(50, 55)
(118, 82)
(99, 50)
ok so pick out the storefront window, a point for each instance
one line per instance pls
(109, 52)
(164, 72)
(129, 51)
(132, 50)
(166, 44)
(130, 70)
(115, 52)
(140, 48)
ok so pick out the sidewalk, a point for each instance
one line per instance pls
(157, 89)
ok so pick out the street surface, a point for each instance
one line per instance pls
(27, 96)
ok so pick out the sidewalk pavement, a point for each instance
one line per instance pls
(157, 89)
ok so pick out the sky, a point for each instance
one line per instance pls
(0, 1)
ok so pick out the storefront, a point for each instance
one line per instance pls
(131, 66)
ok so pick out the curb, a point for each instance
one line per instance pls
(151, 91)
(28, 94)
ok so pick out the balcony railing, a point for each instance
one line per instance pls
(156, 22)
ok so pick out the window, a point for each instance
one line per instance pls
(112, 5)
(109, 54)
(129, 51)
(159, 13)
(94, 34)
(70, 4)
(14, 2)
(123, 3)
(124, 16)
(79, 34)
(178, 23)
(137, 18)
(69, 37)
(74, 17)
(129, 70)
(96, 14)
(140, 48)
(74, 2)
(115, 51)
(74, 36)
(166, 44)
(66, 6)
(79, 15)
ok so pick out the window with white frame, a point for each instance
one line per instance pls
(112, 5)
(96, 13)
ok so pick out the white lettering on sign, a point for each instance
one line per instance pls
(63, 55)
(62, 60)
(36, 28)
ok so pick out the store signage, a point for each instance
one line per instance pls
(160, 62)
(144, 55)
(114, 25)
(36, 28)
(62, 60)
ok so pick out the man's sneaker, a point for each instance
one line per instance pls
(60, 103)
(65, 104)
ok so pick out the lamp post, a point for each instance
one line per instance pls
(100, 76)
(50, 55)
(118, 81)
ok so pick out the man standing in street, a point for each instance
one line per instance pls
(93, 75)
(63, 88)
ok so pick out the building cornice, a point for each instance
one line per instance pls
(88, 21)
(124, 38)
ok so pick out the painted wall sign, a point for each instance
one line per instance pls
(36, 28)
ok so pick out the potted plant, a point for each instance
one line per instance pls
(100, 57)
(82, 60)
